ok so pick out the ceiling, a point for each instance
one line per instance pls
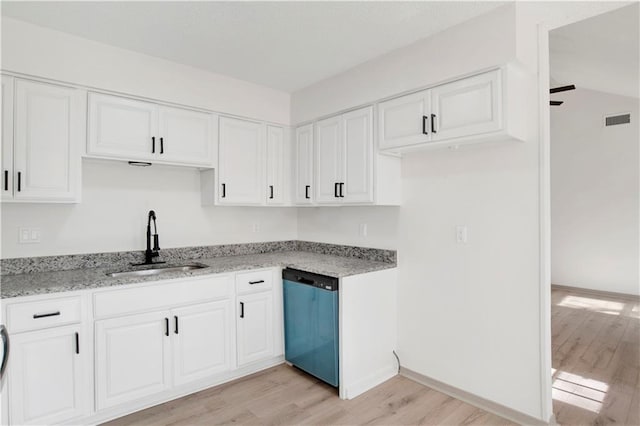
(600, 53)
(283, 45)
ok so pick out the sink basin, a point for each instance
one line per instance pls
(157, 270)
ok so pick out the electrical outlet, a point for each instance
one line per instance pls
(256, 227)
(28, 235)
(461, 234)
(363, 230)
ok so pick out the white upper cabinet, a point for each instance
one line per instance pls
(241, 162)
(344, 157)
(48, 132)
(122, 128)
(130, 129)
(470, 106)
(329, 156)
(303, 165)
(468, 110)
(404, 121)
(278, 166)
(7, 138)
(357, 128)
(186, 136)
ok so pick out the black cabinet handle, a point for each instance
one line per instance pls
(6, 180)
(306, 192)
(19, 181)
(241, 309)
(433, 125)
(77, 343)
(256, 282)
(335, 189)
(166, 326)
(341, 189)
(48, 314)
(175, 318)
(153, 144)
(161, 145)
(424, 125)
(271, 192)
(224, 190)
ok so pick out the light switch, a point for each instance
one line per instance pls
(461, 234)
(28, 235)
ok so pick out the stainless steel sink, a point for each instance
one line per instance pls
(157, 270)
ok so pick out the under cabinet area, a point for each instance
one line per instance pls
(43, 126)
(132, 129)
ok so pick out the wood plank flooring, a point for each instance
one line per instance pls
(596, 359)
(284, 395)
(596, 362)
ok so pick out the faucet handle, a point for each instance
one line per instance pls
(156, 243)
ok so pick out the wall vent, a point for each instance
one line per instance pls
(613, 120)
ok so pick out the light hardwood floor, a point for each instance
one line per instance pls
(596, 363)
(596, 358)
(284, 395)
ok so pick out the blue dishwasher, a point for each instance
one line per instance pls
(311, 323)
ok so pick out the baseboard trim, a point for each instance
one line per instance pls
(631, 297)
(477, 401)
(372, 380)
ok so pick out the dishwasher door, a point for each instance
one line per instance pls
(311, 328)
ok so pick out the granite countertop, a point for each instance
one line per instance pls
(34, 283)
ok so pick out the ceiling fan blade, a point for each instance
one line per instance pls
(556, 103)
(562, 88)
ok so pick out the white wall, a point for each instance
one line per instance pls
(113, 214)
(42, 52)
(595, 193)
(116, 197)
(461, 307)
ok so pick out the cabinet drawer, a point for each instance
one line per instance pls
(162, 295)
(43, 314)
(254, 281)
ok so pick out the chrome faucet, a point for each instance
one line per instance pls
(149, 254)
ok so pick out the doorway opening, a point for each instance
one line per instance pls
(595, 218)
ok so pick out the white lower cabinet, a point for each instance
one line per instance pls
(202, 340)
(47, 380)
(132, 357)
(137, 345)
(255, 327)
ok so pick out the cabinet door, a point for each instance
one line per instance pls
(122, 128)
(467, 107)
(241, 162)
(7, 138)
(48, 131)
(202, 340)
(47, 382)
(185, 136)
(329, 160)
(277, 165)
(303, 163)
(358, 151)
(255, 327)
(404, 121)
(132, 357)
